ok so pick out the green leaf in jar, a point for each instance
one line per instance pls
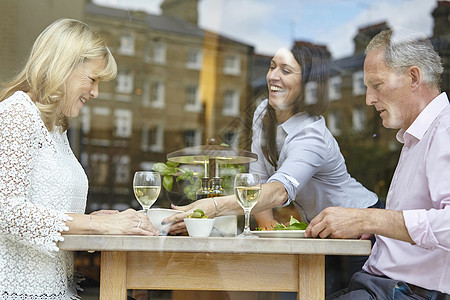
(168, 182)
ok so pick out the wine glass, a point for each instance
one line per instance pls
(247, 188)
(146, 187)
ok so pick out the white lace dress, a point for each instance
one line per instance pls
(40, 181)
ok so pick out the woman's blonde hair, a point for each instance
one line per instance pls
(56, 53)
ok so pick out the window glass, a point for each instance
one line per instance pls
(194, 71)
(333, 123)
(85, 119)
(146, 98)
(334, 88)
(194, 59)
(99, 168)
(159, 53)
(153, 138)
(148, 52)
(123, 122)
(191, 138)
(311, 92)
(358, 83)
(231, 138)
(359, 119)
(157, 94)
(192, 98)
(126, 44)
(231, 103)
(232, 65)
(124, 82)
(122, 168)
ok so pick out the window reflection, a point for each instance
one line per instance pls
(358, 83)
(192, 98)
(311, 93)
(122, 122)
(126, 44)
(231, 103)
(191, 138)
(232, 65)
(194, 59)
(334, 92)
(359, 118)
(159, 53)
(180, 84)
(333, 122)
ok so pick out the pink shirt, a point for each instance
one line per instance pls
(420, 188)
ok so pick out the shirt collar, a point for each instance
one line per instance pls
(293, 123)
(424, 119)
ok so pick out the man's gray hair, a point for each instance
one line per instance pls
(403, 49)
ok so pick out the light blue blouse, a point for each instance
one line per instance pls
(310, 166)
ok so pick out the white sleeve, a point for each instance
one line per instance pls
(20, 219)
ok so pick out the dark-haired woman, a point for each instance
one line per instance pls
(299, 160)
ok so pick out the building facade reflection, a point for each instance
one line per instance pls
(179, 85)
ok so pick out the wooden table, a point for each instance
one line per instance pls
(214, 263)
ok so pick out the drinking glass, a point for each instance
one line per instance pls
(247, 188)
(146, 187)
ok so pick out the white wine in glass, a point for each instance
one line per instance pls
(247, 188)
(146, 186)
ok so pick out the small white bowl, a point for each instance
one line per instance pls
(199, 227)
(156, 215)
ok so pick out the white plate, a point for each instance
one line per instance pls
(280, 233)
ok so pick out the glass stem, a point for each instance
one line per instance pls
(247, 222)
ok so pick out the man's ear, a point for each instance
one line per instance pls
(415, 76)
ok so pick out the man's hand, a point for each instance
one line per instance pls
(338, 223)
(345, 223)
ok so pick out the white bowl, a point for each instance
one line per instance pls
(156, 215)
(199, 227)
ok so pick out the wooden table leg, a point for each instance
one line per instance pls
(113, 275)
(311, 277)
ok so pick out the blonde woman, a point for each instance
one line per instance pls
(43, 187)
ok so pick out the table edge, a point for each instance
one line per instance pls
(215, 244)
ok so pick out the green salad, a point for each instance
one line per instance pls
(294, 224)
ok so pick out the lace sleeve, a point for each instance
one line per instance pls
(21, 137)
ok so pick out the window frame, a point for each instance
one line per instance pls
(231, 103)
(123, 123)
(193, 103)
(333, 122)
(311, 93)
(358, 83)
(232, 64)
(127, 44)
(125, 82)
(196, 63)
(334, 88)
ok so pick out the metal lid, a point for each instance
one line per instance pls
(222, 155)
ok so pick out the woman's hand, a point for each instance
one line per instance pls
(128, 222)
(105, 212)
(178, 226)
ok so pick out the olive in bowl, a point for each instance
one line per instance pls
(199, 225)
